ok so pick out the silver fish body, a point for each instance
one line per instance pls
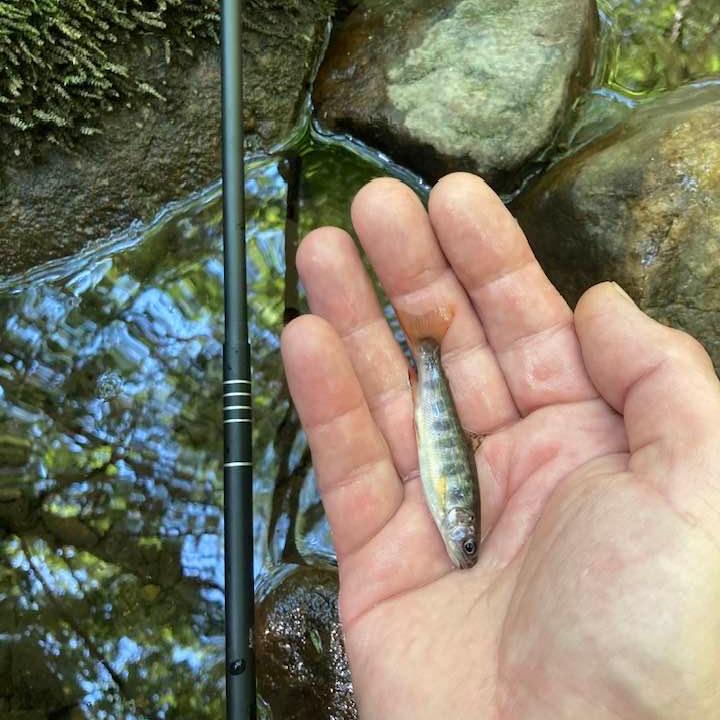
(447, 466)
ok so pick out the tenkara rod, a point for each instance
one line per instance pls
(239, 581)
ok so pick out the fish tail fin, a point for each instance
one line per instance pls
(431, 325)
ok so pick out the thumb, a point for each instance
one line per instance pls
(661, 380)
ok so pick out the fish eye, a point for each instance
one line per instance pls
(470, 547)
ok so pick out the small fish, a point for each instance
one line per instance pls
(447, 466)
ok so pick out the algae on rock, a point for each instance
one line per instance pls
(659, 45)
(64, 63)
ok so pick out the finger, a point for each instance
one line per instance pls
(340, 291)
(527, 322)
(356, 477)
(395, 232)
(664, 384)
(660, 379)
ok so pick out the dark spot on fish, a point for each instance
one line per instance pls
(452, 469)
(447, 442)
(441, 425)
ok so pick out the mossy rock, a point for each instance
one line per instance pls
(61, 189)
(62, 62)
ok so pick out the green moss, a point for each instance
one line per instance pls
(63, 63)
(61, 60)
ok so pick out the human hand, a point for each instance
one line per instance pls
(597, 589)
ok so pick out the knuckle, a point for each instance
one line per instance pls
(686, 347)
(587, 305)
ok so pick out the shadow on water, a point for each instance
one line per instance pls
(111, 581)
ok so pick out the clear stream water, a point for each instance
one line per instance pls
(111, 570)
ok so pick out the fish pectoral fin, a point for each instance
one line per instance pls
(413, 382)
(475, 439)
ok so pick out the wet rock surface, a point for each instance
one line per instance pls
(642, 207)
(478, 85)
(150, 154)
(303, 670)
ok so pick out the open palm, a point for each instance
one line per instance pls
(597, 589)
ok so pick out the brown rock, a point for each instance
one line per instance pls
(148, 155)
(641, 207)
(303, 670)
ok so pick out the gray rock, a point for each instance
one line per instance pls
(479, 85)
(303, 672)
(54, 204)
(640, 206)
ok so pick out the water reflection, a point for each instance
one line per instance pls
(111, 585)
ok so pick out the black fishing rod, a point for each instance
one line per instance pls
(239, 579)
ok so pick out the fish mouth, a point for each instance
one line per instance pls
(465, 563)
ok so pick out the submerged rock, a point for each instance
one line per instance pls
(642, 207)
(303, 670)
(478, 85)
(661, 44)
(56, 201)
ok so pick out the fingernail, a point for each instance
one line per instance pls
(621, 292)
